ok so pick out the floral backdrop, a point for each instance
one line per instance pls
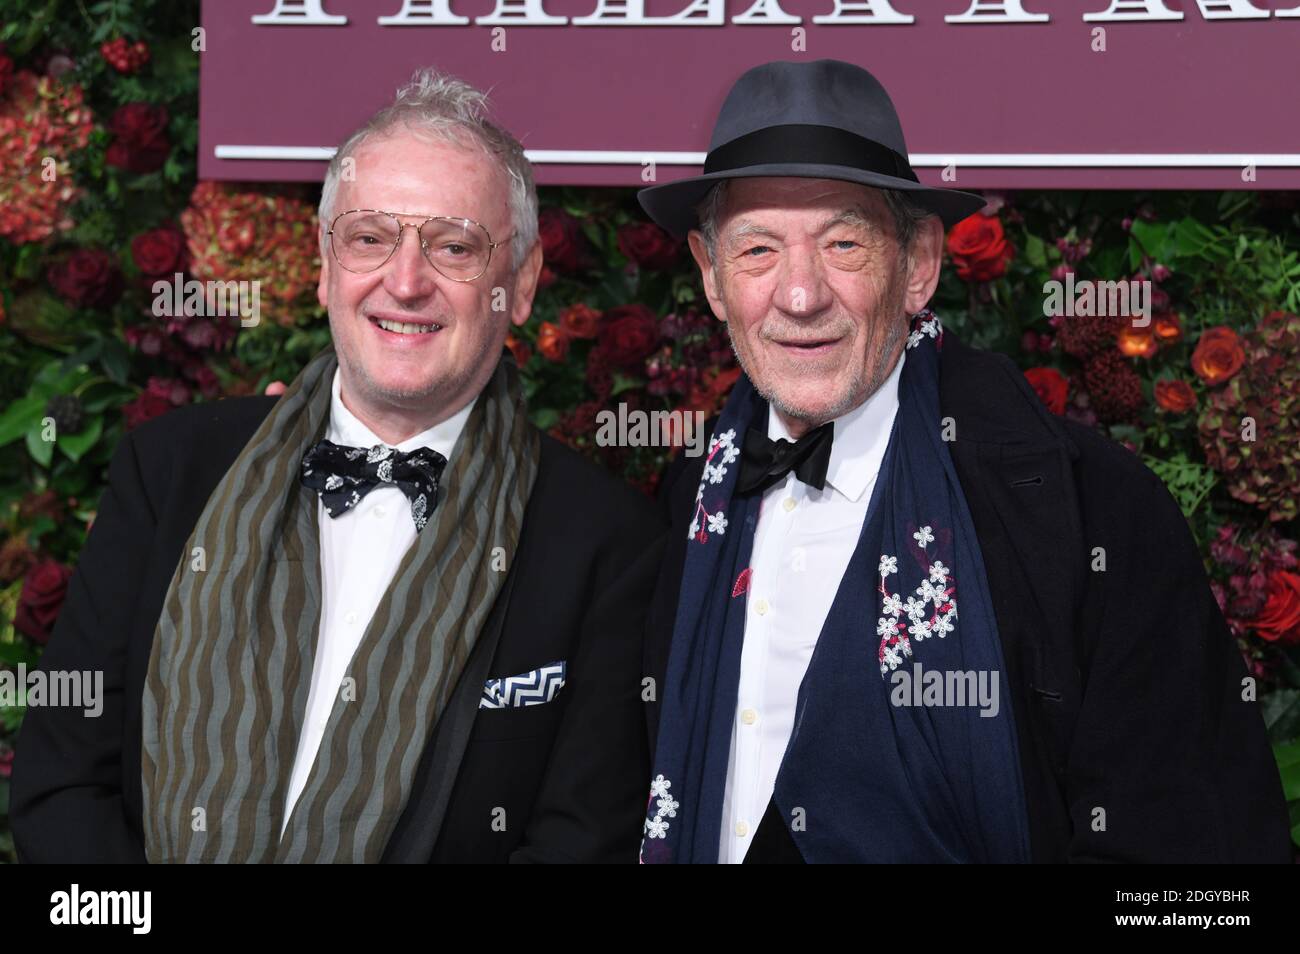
(98, 200)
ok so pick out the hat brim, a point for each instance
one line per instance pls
(672, 205)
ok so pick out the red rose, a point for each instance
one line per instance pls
(44, 587)
(979, 248)
(580, 321)
(146, 407)
(648, 245)
(1279, 620)
(1175, 396)
(159, 252)
(1218, 355)
(6, 72)
(628, 334)
(1167, 328)
(1051, 387)
(552, 342)
(563, 244)
(519, 349)
(140, 141)
(1136, 342)
(87, 278)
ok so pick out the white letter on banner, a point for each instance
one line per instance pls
(864, 11)
(997, 11)
(299, 13)
(1135, 10)
(632, 13)
(521, 13)
(424, 13)
(766, 11)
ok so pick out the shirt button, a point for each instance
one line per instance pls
(379, 511)
(742, 829)
(749, 717)
(350, 618)
(789, 504)
(760, 607)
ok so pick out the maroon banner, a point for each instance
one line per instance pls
(1115, 94)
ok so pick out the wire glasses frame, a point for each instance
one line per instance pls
(424, 245)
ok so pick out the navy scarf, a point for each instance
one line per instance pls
(864, 777)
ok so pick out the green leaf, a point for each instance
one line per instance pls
(74, 446)
(15, 653)
(42, 451)
(1035, 252)
(19, 417)
(545, 418)
(1281, 709)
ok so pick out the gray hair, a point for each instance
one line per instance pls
(907, 215)
(455, 112)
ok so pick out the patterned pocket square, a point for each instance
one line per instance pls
(526, 689)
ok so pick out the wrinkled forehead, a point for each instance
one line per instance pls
(777, 204)
(410, 173)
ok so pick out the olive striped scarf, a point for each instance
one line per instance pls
(231, 664)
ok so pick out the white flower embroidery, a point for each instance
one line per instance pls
(378, 452)
(333, 482)
(722, 452)
(931, 610)
(665, 807)
(385, 471)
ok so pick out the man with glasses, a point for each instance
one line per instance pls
(382, 617)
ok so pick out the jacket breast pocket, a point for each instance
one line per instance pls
(522, 705)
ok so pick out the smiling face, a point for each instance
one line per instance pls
(815, 290)
(444, 337)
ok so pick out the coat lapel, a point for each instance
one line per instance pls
(416, 832)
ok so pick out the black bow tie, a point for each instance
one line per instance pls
(343, 475)
(764, 462)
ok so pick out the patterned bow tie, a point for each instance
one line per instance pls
(343, 475)
(764, 462)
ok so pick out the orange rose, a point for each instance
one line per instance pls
(1167, 328)
(1218, 355)
(580, 321)
(1175, 396)
(1136, 342)
(552, 342)
(979, 248)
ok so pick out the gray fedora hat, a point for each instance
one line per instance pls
(825, 119)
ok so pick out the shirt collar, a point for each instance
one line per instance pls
(346, 428)
(860, 437)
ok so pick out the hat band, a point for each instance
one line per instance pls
(808, 144)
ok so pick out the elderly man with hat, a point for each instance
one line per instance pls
(908, 614)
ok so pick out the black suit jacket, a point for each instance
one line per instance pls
(571, 774)
(1126, 686)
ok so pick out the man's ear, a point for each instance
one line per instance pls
(708, 273)
(526, 284)
(323, 282)
(927, 259)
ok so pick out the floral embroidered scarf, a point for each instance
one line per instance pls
(892, 757)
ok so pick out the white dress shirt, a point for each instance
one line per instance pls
(359, 553)
(802, 543)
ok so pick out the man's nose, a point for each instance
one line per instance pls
(409, 274)
(802, 288)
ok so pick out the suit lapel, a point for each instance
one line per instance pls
(416, 832)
